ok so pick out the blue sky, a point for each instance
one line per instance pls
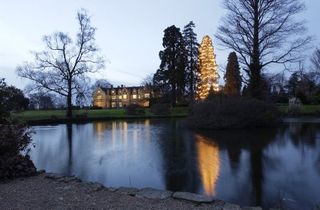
(129, 32)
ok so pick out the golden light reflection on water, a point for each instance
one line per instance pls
(209, 164)
(120, 132)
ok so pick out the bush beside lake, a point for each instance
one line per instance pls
(14, 141)
(222, 112)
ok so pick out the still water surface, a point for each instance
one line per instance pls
(266, 167)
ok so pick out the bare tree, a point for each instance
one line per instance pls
(147, 81)
(263, 32)
(315, 61)
(63, 66)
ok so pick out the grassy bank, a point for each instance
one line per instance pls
(92, 114)
(96, 114)
(306, 109)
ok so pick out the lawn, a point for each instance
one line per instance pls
(306, 109)
(92, 113)
(120, 113)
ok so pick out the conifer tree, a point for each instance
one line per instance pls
(232, 76)
(208, 69)
(192, 51)
(170, 77)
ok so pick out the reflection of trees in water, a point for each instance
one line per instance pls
(179, 165)
(68, 164)
(303, 133)
(253, 140)
(317, 164)
(208, 163)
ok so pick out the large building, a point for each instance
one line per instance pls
(121, 97)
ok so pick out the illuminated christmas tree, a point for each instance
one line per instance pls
(208, 69)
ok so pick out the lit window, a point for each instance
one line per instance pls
(125, 96)
(113, 105)
(134, 96)
(114, 97)
(120, 97)
(99, 97)
(147, 95)
(120, 104)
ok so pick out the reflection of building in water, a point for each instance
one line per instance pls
(209, 164)
(100, 128)
(120, 133)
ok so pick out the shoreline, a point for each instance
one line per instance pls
(78, 120)
(63, 192)
(94, 119)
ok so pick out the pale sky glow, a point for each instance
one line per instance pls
(129, 32)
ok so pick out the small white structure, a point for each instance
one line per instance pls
(295, 105)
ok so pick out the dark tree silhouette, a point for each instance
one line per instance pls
(232, 76)
(41, 101)
(173, 63)
(11, 99)
(62, 67)
(262, 32)
(192, 52)
(315, 60)
(293, 83)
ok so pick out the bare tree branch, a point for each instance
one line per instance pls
(62, 66)
(263, 32)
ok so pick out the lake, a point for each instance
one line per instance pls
(265, 167)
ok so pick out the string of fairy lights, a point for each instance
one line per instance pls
(208, 70)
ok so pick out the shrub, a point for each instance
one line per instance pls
(14, 141)
(134, 109)
(232, 112)
(160, 109)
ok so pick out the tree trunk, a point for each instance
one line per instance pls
(192, 78)
(173, 95)
(69, 100)
(255, 86)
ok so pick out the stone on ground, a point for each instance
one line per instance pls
(192, 197)
(127, 191)
(154, 193)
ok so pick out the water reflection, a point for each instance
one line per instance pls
(268, 167)
(180, 170)
(208, 163)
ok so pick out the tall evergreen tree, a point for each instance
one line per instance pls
(208, 69)
(173, 63)
(232, 76)
(192, 51)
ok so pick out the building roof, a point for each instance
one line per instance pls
(120, 88)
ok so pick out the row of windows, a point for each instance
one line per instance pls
(134, 96)
(114, 104)
(113, 91)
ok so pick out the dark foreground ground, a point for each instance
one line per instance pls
(47, 192)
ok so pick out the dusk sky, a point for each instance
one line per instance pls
(129, 32)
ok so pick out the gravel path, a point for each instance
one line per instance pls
(41, 192)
